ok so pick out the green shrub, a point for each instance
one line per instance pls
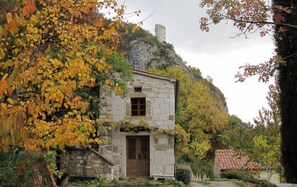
(203, 168)
(86, 182)
(264, 184)
(247, 177)
(233, 174)
(20, 168)
(184, 173)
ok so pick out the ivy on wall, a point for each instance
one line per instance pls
(143, 126)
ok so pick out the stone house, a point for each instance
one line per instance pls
(132, 154)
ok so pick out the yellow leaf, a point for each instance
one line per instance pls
(14, 25)
(10, 90)
(8, 17)
(135, 27)
(3, 85)
(10, 101)
(108, 51)
(4, 77)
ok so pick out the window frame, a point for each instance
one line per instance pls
(138, 106)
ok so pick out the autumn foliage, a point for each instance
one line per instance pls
(50, 51)
(198, 113)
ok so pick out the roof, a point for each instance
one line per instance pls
(227, 159)
(144, 73)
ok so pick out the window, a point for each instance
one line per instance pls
(137, 106)
(138, 89)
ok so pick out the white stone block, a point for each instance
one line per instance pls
(169, 170)
(170, 153)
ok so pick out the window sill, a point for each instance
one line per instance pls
(139, 118)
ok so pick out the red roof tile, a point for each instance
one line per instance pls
(227, 159)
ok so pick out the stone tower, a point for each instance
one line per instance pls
(160, 32)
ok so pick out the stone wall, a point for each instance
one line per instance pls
(217, 172)
(162, 158)
(86, 163)
(163, 162)
(101, 161)
(160, 112)
(160, 102)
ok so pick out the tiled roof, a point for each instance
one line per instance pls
(227, 159)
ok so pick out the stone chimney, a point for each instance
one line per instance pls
(160, 32)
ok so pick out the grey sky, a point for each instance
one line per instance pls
(214, 53)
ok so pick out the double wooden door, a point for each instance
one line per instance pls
(138, 156)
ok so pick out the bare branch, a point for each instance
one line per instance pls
(264, 23)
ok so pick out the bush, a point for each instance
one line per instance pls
(202, 168)
(184, 173)
(20, 168)
(88, 182)
(246, 177)
(234, 174)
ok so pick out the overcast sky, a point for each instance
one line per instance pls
(214, 53)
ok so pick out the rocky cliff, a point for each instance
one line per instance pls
(143, 50)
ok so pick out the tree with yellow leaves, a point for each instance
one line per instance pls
(198, 112)
(50, 52)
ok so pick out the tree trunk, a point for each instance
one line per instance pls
(286, 47)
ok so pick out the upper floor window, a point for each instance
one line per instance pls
(138, 106)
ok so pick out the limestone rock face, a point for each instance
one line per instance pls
(144, 50)
(140, 54)
(143, 54)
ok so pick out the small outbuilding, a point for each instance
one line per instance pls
(228, 159)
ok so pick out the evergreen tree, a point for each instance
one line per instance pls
(286, 46)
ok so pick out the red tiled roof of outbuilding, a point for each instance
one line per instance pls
(227, 159)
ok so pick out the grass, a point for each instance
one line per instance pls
(125, 183)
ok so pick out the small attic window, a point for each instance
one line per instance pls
(137, 89)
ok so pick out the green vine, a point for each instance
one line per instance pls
(127, 126)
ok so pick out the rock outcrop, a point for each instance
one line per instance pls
(144, 50)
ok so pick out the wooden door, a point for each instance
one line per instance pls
(138, 156)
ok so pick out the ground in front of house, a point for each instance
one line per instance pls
(227, 183)
(125, 183)
(169, 183)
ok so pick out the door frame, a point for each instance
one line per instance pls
(124, 150)
(137, 160)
